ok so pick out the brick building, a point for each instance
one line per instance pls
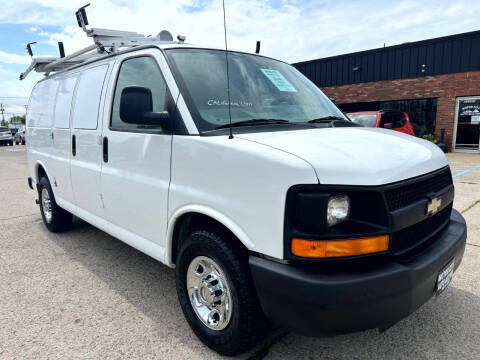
(436, 81)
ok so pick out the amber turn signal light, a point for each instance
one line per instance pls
(339, 248)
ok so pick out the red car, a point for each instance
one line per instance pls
(388, 119)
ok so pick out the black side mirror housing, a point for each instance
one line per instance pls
(136, 107)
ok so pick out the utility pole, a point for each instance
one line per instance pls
(2, 110)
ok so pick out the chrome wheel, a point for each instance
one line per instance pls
(209, 293)
(46, 205)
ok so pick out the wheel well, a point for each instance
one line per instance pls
(41, 173)
(190, 222)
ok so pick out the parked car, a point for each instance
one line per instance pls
(388, 119)
(270, 204)
(20, 136)
(6, 136)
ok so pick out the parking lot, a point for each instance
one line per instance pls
(83, 294)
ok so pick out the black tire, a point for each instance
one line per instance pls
(247, 326)
(23, 141)
(16, 142)
(61, 220)
(11, 142)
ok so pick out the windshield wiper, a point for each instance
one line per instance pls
(326, 119)
(253, 122)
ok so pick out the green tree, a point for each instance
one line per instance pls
(17, 120)
(4, 123)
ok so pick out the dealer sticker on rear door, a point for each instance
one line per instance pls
(444, 277)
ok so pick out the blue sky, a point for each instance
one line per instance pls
(292, 30)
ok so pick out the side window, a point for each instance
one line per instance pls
(87, 99)
(64, 102)
(41, 105)
(387, 121)
(144, 72)
(399, 120)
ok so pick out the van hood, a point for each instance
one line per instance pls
(356, 156)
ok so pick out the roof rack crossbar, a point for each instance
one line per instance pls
(106, 41)
(60, 61)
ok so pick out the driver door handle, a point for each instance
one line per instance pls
(105, 149)
(74, 145)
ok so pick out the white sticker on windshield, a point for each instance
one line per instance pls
(279, 80)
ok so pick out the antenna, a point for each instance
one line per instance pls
(228, 77)
(257, 50)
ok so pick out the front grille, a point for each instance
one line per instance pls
(406, 194)
(412, 235)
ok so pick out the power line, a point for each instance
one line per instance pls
(13, 97)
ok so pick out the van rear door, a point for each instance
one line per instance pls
(39, 123)
(86, 148)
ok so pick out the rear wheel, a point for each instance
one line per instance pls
(217, 294)
(23, 141)
(54, 217)
(11, 142)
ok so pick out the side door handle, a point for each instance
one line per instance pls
(105, 149)
(74, 145)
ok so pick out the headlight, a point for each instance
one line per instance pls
(338, 209)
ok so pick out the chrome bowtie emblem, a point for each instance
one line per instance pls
(433, 206)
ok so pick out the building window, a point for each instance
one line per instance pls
(422, 112)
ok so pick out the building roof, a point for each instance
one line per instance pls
(443, 55)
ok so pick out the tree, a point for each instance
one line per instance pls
(17, 120)
(3, 123)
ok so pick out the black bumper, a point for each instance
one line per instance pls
(338, 299)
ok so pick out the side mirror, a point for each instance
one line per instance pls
(136, 107)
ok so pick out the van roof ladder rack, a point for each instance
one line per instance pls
(105, 42)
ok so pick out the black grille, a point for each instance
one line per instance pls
(412, 235)
(404, 195)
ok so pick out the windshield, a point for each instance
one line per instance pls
(260, 88)
(369, 120)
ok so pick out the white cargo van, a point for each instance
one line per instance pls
(302, 218)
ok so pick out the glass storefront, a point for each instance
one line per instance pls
(422, 112)
(467, 122)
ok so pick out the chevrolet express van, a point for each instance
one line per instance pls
(301, 218)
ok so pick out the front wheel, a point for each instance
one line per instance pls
(217, 294)
(54, 217)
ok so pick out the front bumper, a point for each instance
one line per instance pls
(329, 299)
